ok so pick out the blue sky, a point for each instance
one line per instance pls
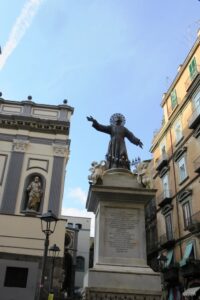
(104, 56)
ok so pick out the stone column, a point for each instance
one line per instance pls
(57, 178)
(13, 176)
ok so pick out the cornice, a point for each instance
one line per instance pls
(31, 103)
(183, 67)
(34, 124)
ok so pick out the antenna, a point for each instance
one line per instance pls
(190, 32)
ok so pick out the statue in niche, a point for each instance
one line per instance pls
(116, 156)
(34, 190)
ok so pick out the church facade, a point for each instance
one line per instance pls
(34, 152)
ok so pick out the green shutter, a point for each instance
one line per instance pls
(193, 68)
(173, 99)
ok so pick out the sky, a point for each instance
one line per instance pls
(105, 57)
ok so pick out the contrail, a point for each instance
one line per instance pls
(19, 29)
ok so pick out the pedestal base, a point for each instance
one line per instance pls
(105, 282)
(120, 269)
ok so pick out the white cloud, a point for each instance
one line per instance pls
(75, 212)
(19, 29)
(78, 194)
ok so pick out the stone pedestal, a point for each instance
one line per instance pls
(120, 269)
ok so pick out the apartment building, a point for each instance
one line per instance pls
(176, 169)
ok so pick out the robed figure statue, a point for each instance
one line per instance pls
(117, 156)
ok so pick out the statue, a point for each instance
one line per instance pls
(97, 170)
(117, 156)
(35, 193)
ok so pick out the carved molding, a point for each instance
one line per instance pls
(98, 295)
(184, 194)
(60, 150)
(167, 208)
(20, 145)
(179, 153)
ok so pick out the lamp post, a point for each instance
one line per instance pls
(54, 251)
(48, 225)
(162, 259)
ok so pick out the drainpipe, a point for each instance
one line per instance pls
(175, 187)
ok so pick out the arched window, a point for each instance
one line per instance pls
(80, 264)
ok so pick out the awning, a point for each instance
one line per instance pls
(191, 291)
(186, 255)
(169, 258)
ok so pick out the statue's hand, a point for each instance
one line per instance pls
(140, 144)
(90, 119)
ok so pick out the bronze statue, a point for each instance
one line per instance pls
(117, 156)
(35, 193)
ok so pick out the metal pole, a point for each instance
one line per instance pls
(52, 271)
(46, 245)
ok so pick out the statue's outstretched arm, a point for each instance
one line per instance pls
(99, 127)
(133, 139)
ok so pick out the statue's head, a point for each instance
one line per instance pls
(117, 119)
(36, 179)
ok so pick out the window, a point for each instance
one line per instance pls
(186, 214)
(78, 226)
(163, 149)
(168, 222)
(70, 225)
(80, 264)
(173, 97)
(165, 183)
(182, 169)
(178, 131)
(193, 68)
(16, 277)
(196, 100)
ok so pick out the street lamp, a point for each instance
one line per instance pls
(48, 225)
(162, 259)
(54, 252)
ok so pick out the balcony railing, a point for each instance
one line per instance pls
(170, 274)
(196, 163)
(162, 162)
(193, 223)
(192, 78)
(167, 240)
(191, 268)
(164, 198)
(194, 120)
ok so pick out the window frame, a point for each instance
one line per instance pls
(165, 181)
(178, 133)
(168, 221)
(182, 158)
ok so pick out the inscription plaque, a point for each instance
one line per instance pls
(121, 235)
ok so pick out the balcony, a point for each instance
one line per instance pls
(194, 120)
(191, 79)
(170, 274)
(162, 162)
(164, 198)
(167, 240)
(196, 164)
(193, 223)
(191, 268)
